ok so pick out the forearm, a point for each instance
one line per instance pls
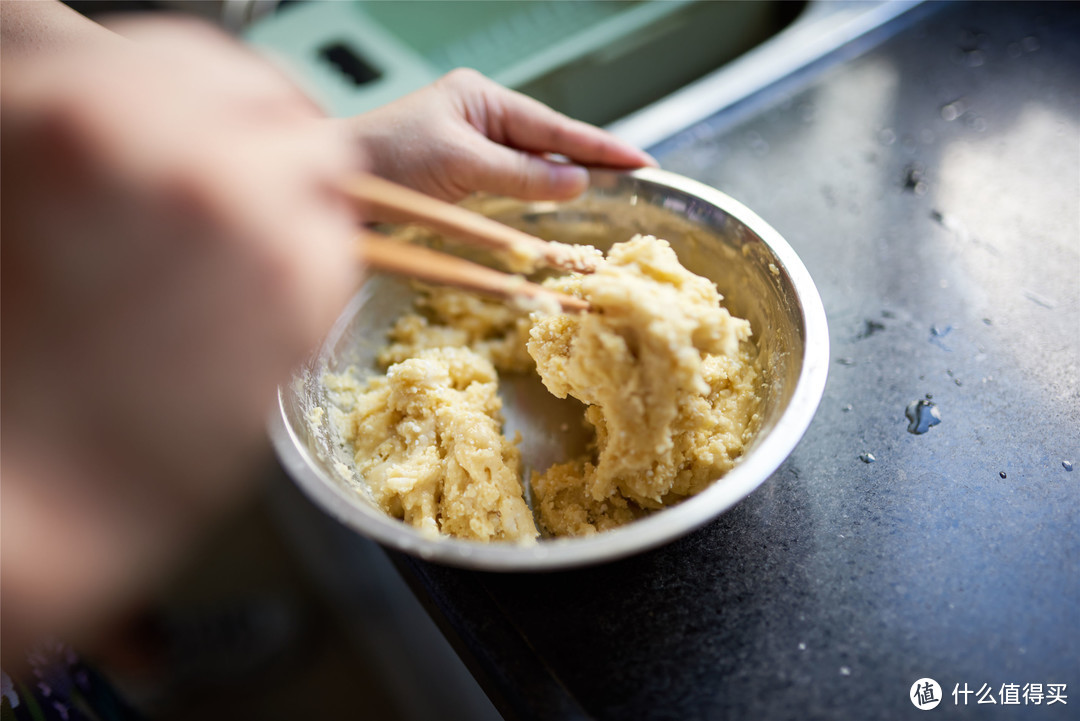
(172, 219)
(28, 27)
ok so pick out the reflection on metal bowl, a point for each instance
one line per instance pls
(762, 280)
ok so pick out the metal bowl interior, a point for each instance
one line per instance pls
(761, 278)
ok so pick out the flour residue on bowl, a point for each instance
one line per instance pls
(666, 373)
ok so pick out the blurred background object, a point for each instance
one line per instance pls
(594, 60)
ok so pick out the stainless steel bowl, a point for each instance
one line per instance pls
(762, 280)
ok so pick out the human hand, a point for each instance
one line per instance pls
(466, 133)
(173, 244)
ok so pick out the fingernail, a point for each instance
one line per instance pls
(569, 179)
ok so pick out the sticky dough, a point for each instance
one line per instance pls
(428, 444)
(666, 374)
(665, 371)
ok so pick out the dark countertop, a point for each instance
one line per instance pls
(932, 187)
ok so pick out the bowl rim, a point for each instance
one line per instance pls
(645, 533)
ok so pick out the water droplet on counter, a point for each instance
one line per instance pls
(914, 178)
(938, 333)
(951, 223)
(807, 112)
(867, 457)
(975, 122)
(845, 671)
(1014, 50)
(953, 110)
(847, 409)
(1067, 465)
(922, 415)
(1002, 474)
(758, 145)
(1040, 300)
(1030, 44)
(846, 361)
(886, 136)
(870, 327)
(975, 58)
(802, 646)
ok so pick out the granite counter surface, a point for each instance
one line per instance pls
(932, 187)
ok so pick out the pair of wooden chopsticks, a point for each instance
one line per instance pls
(524, 252)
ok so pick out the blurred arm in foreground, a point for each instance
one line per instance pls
(173, 243)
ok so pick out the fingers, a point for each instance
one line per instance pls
(467, 133)
(534, 127)
(519, 121)
(499, 169)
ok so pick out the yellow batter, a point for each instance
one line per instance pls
(664, 370)
(447, 317)
(429, 445)
(667, 376)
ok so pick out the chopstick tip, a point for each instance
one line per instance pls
(571, 304)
